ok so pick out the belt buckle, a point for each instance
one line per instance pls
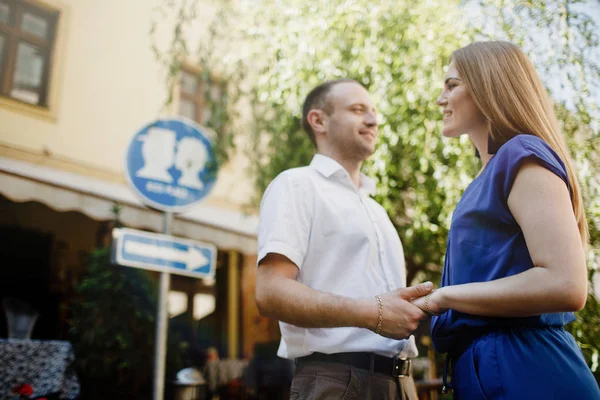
(402, 367)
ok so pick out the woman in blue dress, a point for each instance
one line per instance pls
(515, 267)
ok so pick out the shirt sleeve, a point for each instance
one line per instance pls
(524, 148)
(285, 217)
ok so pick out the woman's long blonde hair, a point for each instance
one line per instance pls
(508, 91)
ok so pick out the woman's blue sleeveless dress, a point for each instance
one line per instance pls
(505, 358)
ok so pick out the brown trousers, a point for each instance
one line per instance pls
(331, 381)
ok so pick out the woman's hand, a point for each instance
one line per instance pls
(432, 303)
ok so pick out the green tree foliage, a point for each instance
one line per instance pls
(112, 328)
(398, 50)
(270, 53)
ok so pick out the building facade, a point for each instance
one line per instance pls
(77, 80)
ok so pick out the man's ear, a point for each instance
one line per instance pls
(317, 120)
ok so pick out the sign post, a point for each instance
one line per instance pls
(170, 165)
(160, 344)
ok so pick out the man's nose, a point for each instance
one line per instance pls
(371, 119)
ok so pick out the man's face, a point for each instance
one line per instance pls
(351, 129)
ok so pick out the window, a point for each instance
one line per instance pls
(26, 41)
(192, 103)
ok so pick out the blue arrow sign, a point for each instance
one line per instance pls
(163, 253)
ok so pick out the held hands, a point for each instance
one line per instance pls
(430, 303)
(399, 318)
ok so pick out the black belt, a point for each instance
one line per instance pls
(393, 367)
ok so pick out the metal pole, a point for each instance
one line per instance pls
(160, 347)
(233, 311)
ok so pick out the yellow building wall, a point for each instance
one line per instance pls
(105, 85)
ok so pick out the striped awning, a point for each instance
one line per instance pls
(66, 191)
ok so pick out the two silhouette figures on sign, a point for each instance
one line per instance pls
(161, 151)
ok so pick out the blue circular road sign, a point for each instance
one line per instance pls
(170, 164)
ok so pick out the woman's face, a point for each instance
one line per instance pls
(461, 114)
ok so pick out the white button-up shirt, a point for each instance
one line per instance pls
(342, 241)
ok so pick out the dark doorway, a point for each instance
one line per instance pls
(25, 274)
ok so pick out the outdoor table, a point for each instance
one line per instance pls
(48, 366)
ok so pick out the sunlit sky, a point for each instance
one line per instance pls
(555, 78)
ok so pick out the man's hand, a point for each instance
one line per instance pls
(400, 317)
(433, 303)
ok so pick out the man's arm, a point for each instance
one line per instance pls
(280, 296)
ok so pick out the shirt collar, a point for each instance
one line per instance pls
(328, 166)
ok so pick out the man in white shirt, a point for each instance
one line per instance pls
(331, 265)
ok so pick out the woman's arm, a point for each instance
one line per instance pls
(541, 205)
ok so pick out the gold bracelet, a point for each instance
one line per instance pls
(380, 322)
(427, 308)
